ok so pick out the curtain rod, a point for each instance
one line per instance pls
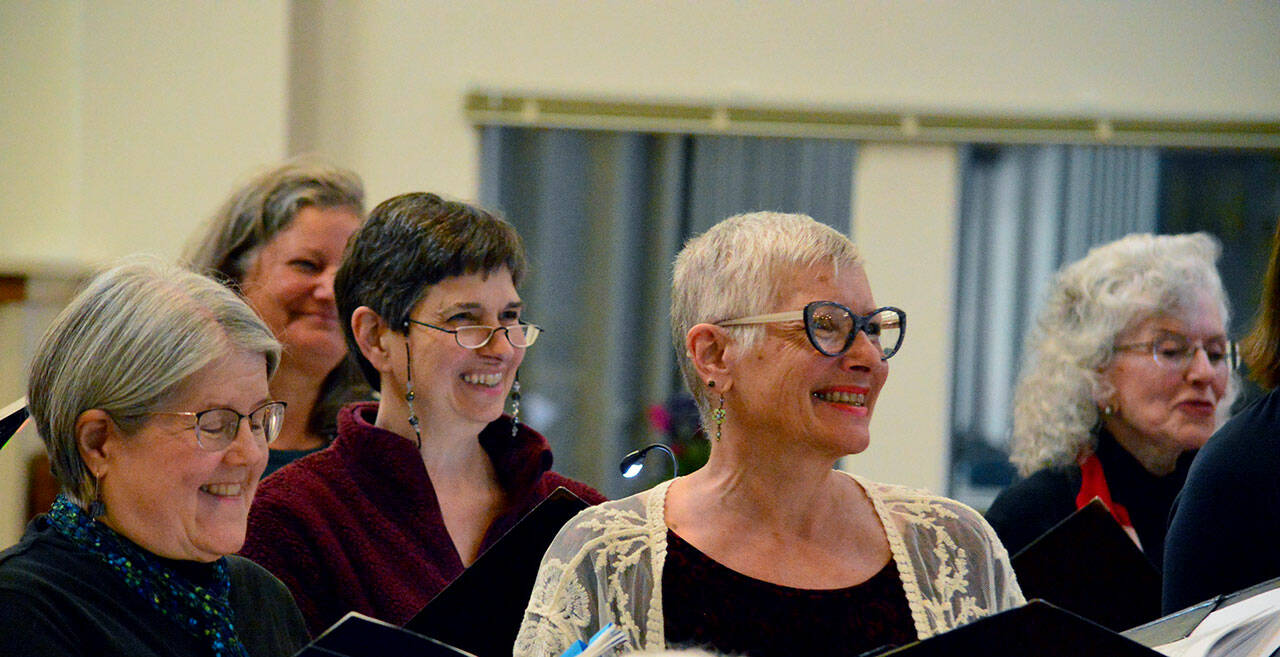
(505, 109)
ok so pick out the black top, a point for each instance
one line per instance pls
(1226, 525)
(278, 458)
(57, 599)
(1034, 505)
(708, 605)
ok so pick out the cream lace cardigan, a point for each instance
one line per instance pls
(606, 565)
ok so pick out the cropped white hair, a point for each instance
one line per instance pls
(736, 268)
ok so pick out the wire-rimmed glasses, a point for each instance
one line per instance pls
(1176, 351)
(216, 428)
(521, 335)
(832, 327)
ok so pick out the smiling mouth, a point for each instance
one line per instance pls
(223, 490)
(841, 397)
(486, 380)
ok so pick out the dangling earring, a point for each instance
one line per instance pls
(515, 405)
(718, 416)
(97, 508)
(408, 395)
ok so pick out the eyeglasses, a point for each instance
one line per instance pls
(1175, 351)
(832, 327)
(521, 335)
(216, 428)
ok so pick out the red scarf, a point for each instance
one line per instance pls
(1093, 483)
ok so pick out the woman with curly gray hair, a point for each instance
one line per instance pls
(1127, 372)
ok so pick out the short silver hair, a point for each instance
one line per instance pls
(1092, 301)
(124, 343)
(736, 269)
(264, 206)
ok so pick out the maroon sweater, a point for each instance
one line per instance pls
(357, 526)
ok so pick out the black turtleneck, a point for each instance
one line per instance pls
(1034, 505)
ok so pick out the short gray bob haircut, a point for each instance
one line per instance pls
(1092, 301)
(126, 342)
(264, 206)
(738, 268)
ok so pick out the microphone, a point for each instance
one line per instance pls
(633, 463)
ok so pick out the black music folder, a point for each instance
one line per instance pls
(12, 417)
(1037, 629)
(1088, 565)
(357, 635)
(481, 610)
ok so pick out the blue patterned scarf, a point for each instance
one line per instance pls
(203, 611)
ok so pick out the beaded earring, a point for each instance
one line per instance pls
(515, 405)
(718, 416)
(408, 395)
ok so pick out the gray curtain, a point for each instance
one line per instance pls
(603, 215)
(1025, 212)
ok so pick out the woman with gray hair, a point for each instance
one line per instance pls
(768, 550)
(278, 240)
(1128, 372)
(150, 393)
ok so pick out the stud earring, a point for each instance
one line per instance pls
(1108, 410)
(515, 405)
(718, 416)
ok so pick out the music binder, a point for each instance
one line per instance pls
(1244, 628)
(1088, 565)
(357, 635)
(12, 417)
(1036, 629)
(1180, 624)
(481, 610)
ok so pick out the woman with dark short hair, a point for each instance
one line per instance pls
(417, 485)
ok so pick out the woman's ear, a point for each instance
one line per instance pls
(709, 348)
(373, 335)
(97, 439)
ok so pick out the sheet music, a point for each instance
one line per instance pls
(1245, 629)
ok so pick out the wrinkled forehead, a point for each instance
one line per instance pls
(1198, 320)
(844, 283)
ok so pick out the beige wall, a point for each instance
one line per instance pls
(904, 198)
(123, 123)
